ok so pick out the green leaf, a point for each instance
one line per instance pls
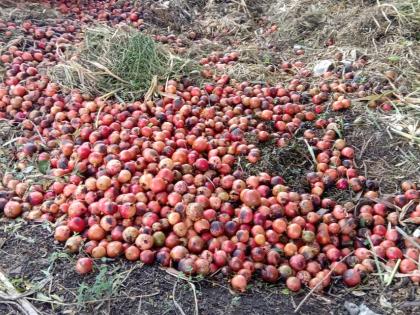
(394, 58)
(43, 297)
(57, 298)
(285, 291)
(44, 166)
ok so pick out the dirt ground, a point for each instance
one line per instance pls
(41, 270)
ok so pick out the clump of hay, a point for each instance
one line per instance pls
(120, 62)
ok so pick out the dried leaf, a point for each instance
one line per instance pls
(384, 302)
(358, 293)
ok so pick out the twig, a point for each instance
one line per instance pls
(365, 145)
(320, 282)
(99, 300)
(404, 134)
(14, 295)
(195, 297)
(391, 277)
(176, 274)
(311, 151)
(98, 114)
(15, 304)
(410, 304)
(375, 257)
(175, 302)
(102, 67)
(18, 296)
(407, 237)
(37, 131)
(10, 141)
(211, 182)
(404, 211)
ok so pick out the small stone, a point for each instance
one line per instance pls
(322, 66)
(351, 308)
(364, 310)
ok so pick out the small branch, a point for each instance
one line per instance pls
(100, 300)
(37, 131)
(102, 67)
(97, 115)
(410, 304)
(407, 237)
(13, 295)
(391, 277)
(180, 276)
(311, 151)
(174, 300)
(378, 266)
(320, 282)
(405, 135)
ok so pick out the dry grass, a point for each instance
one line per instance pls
(219, 19)
(8, 133)
(120, 62)
(176, 15)
(383, 154)
(373, 21)
(405, 121)
(386, 31)
(227, 22)
(254, 65)
(386, 143)
(252, 72)
(19, 11)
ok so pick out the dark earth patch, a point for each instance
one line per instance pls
(31, 259)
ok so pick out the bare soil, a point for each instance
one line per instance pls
(31, 259)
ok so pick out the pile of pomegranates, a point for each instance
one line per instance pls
(159, 181)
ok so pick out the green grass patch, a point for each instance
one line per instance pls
(120, 62)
